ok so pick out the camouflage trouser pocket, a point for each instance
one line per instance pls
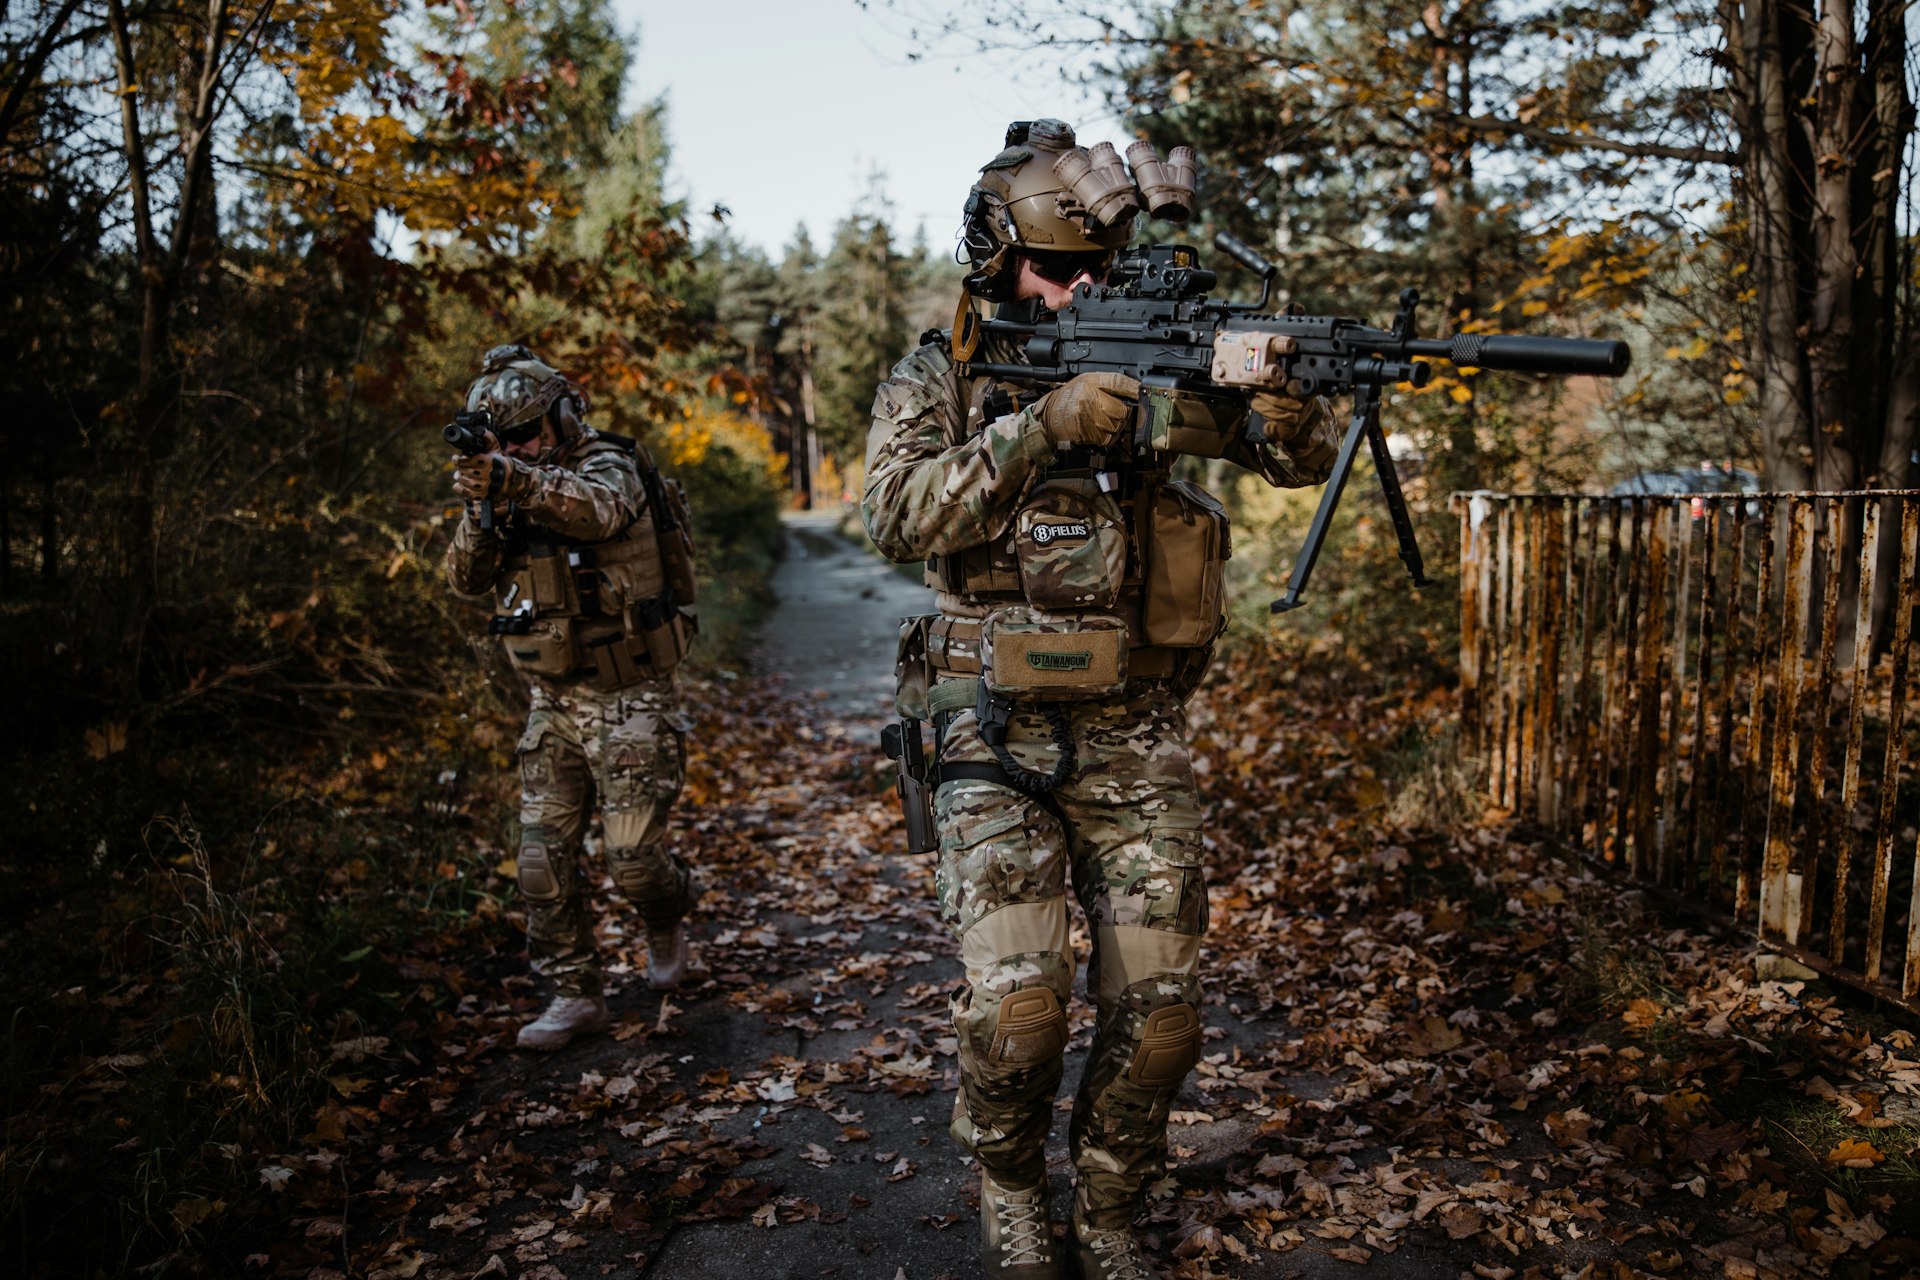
(1071, 546)
(988, 855)
(1180, 850)
(646, 762)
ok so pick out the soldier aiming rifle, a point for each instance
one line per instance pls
(1027, 461)
(583, 552)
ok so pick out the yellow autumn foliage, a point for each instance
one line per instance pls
(687, 440)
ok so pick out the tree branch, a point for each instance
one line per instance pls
(30, 68)
(1585, 142)
(199, 135)
(136, 147)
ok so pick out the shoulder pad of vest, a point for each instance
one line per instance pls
(626, 444)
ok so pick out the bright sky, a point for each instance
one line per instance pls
(780, 109)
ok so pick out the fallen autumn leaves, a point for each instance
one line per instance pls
(1434, 1052)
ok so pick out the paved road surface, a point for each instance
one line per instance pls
(840, 609)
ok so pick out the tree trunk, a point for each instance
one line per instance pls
(1760, 91)
(160, 276)
(1831, 358)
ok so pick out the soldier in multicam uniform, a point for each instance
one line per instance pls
(1032, 515)
(575, 558)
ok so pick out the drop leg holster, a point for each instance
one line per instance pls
(904, 744)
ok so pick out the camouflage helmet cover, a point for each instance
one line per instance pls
(1020, 201)
(519, 387)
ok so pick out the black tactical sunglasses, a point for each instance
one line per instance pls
(1064, 266)
(520, 434)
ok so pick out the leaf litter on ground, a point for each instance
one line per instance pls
(1447, 1044)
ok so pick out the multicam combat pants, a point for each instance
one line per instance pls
(626, 748)
(1130, 846)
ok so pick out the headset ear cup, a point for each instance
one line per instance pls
(992, 279)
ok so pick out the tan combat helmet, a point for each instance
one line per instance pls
(1046, 195)
(518, 388)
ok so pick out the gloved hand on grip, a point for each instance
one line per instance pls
(1092, 409)
(480, 475)
(1303, 427)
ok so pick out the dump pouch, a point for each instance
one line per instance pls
(548, 647)
(1028, 654)
(1187, 545)
(615, 664)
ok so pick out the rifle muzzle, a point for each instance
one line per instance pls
(1521, 353)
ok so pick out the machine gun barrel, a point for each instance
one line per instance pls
(1525, 353)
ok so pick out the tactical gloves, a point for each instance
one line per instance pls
(1304, 428)
(1092, 409)
(492, 477)
(480, 476)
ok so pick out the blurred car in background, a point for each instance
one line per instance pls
(1708, 477)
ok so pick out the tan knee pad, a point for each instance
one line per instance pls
(537, 880)
(1031, 1029)
(1169, 1046)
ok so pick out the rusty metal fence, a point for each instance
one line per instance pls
(1709, 693)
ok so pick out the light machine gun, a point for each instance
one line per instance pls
(1153, 322)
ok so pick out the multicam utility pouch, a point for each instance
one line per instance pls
(912, 677)
(1188, 543)
(1071, 546)
(1032, 655)
(661, 631)
(1187, 422)
(547, 647)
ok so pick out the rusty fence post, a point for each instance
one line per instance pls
(1699, 773)
(1883, 829)
(1675, 681)
(1581, 709)
(1644, 820)
(1832, 563)
(1546, 695)
(1779, 906)
(1858, 683)
(1744, 847)
(1471, 553)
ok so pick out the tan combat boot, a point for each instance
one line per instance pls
(1016, 1235)
(666, 955)
(1110, 1254)
(565, 1018)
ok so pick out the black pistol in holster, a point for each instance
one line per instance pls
(903, 743)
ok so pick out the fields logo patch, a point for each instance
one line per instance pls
(1080, 661)
(1046, 534)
